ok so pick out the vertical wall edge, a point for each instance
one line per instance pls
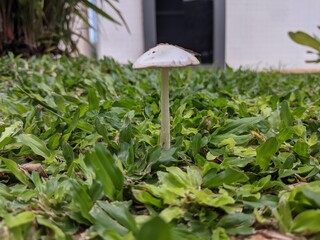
(219, 33)
(149, 23)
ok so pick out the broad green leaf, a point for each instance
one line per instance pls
(170, 213)
(146, 198)
(93, 99)
(102, 130)
(126, 154)
(285, 215)
(306, 196)
(301, 148)
(313, 140)
(239, 139)
(67, 152)
(285, 114)
(227, 176)
(14, 169)
(305, 39)
(73, 121)
(220, 234)
(81, 198)
(200, 160)
(60, 102)
(168, 194)
(106, 171)
(84, 126)
(244, 152)
(258, 186)
(299, 111)
(178, 115)
(54, 141)
(36, 144)
(59, 234)
(243, 110)
(189, 131)
(119, 211)
(182, 233)
(196, 144)
(300, 130)
(285, 134)
(126, 134)
(238, 161)
(104, 223)
(19, 219)
(307, 222)
(240, 126)
(266, 151)
(175, 177)
(155, 108)
(9, 132)
(207, 197)
(156, 229)
(265, 200)
(238, 223)
(96, 191)
(229, 142)
(312, 192)
(194, 174)
(162, 157)
(5, 191)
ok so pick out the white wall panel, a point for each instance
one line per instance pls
(257, 32)
(114, 40)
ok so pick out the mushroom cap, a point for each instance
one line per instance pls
(166, 56)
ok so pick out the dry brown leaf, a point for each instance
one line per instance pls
(33, 167)
(272, 235)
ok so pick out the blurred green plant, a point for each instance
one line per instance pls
(305, 39)
(46, 26)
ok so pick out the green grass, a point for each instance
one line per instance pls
(245, 152)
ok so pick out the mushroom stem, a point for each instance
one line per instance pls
(165, 117)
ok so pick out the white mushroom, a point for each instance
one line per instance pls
(165, 56)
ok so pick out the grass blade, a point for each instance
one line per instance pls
(266, 151)
(106, 171)
(35, 143)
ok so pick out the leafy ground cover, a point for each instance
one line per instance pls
(79, 154)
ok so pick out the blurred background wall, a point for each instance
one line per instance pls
(254, 33)
(257, 32)
(115, 41)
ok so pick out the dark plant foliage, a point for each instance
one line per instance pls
(30, 27)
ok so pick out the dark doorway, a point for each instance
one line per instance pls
(187, 23)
